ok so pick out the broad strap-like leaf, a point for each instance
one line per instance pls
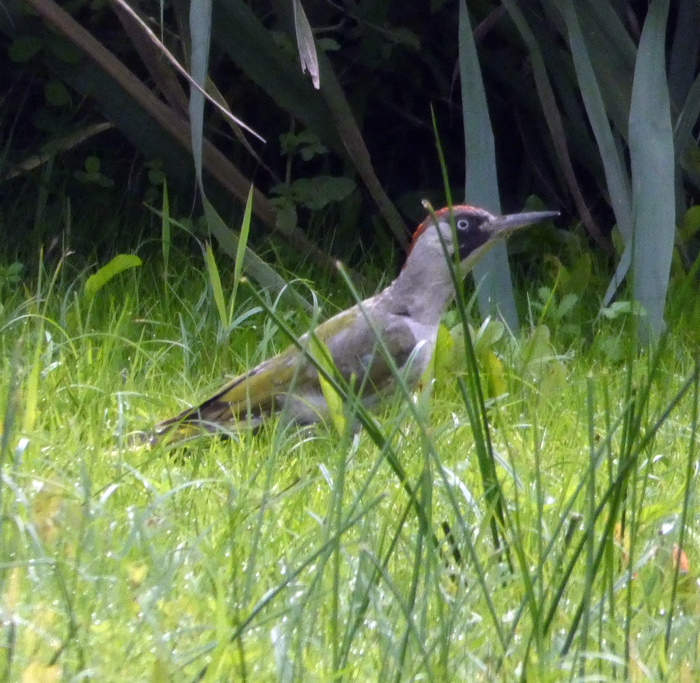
(653, 171)
(492, 273)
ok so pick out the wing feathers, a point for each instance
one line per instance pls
(264, 390)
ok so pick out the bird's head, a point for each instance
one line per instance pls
(477, 231)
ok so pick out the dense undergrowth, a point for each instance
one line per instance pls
(299, 555)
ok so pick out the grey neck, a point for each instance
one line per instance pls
(423, 289)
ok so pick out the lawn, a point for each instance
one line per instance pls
(388, 553)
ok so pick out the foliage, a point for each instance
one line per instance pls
(293, 554)
(583, 97)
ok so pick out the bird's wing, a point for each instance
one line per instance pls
(251, 394)
(353, 346)
(357, 352)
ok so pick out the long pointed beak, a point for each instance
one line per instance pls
(507, 224)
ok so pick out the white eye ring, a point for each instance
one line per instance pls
(462, 224)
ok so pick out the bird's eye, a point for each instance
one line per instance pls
(462, 224)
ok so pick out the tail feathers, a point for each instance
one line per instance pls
(231, 406)
(244, 402)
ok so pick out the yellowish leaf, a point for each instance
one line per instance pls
(496, 380)
(333, 399)
(37, 672)
(137, 575)
(442, 365)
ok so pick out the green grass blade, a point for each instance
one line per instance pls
(253, 265)
(240, 252)
(688, 491)
(215, 282)
(165, 235)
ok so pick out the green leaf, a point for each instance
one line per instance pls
(46, 120)
(23, 48)
(317, 192)
(690, 223)
(443, 364)
(156, 176)
(328, 45)
(286, 214)
(537, 350)
(618, 308)
(99, 279)
(490, 332)
(92, 165)
(56, 93)
(403, 36)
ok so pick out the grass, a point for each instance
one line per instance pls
(298, 555)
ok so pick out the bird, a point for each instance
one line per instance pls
(405, 315)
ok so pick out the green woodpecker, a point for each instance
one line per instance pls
(406, 314)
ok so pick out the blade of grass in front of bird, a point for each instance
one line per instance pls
(429, 445)
(334, 401)
(341, 387)
(473, 394)
(421, 533)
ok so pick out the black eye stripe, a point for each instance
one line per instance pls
(470, 222)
